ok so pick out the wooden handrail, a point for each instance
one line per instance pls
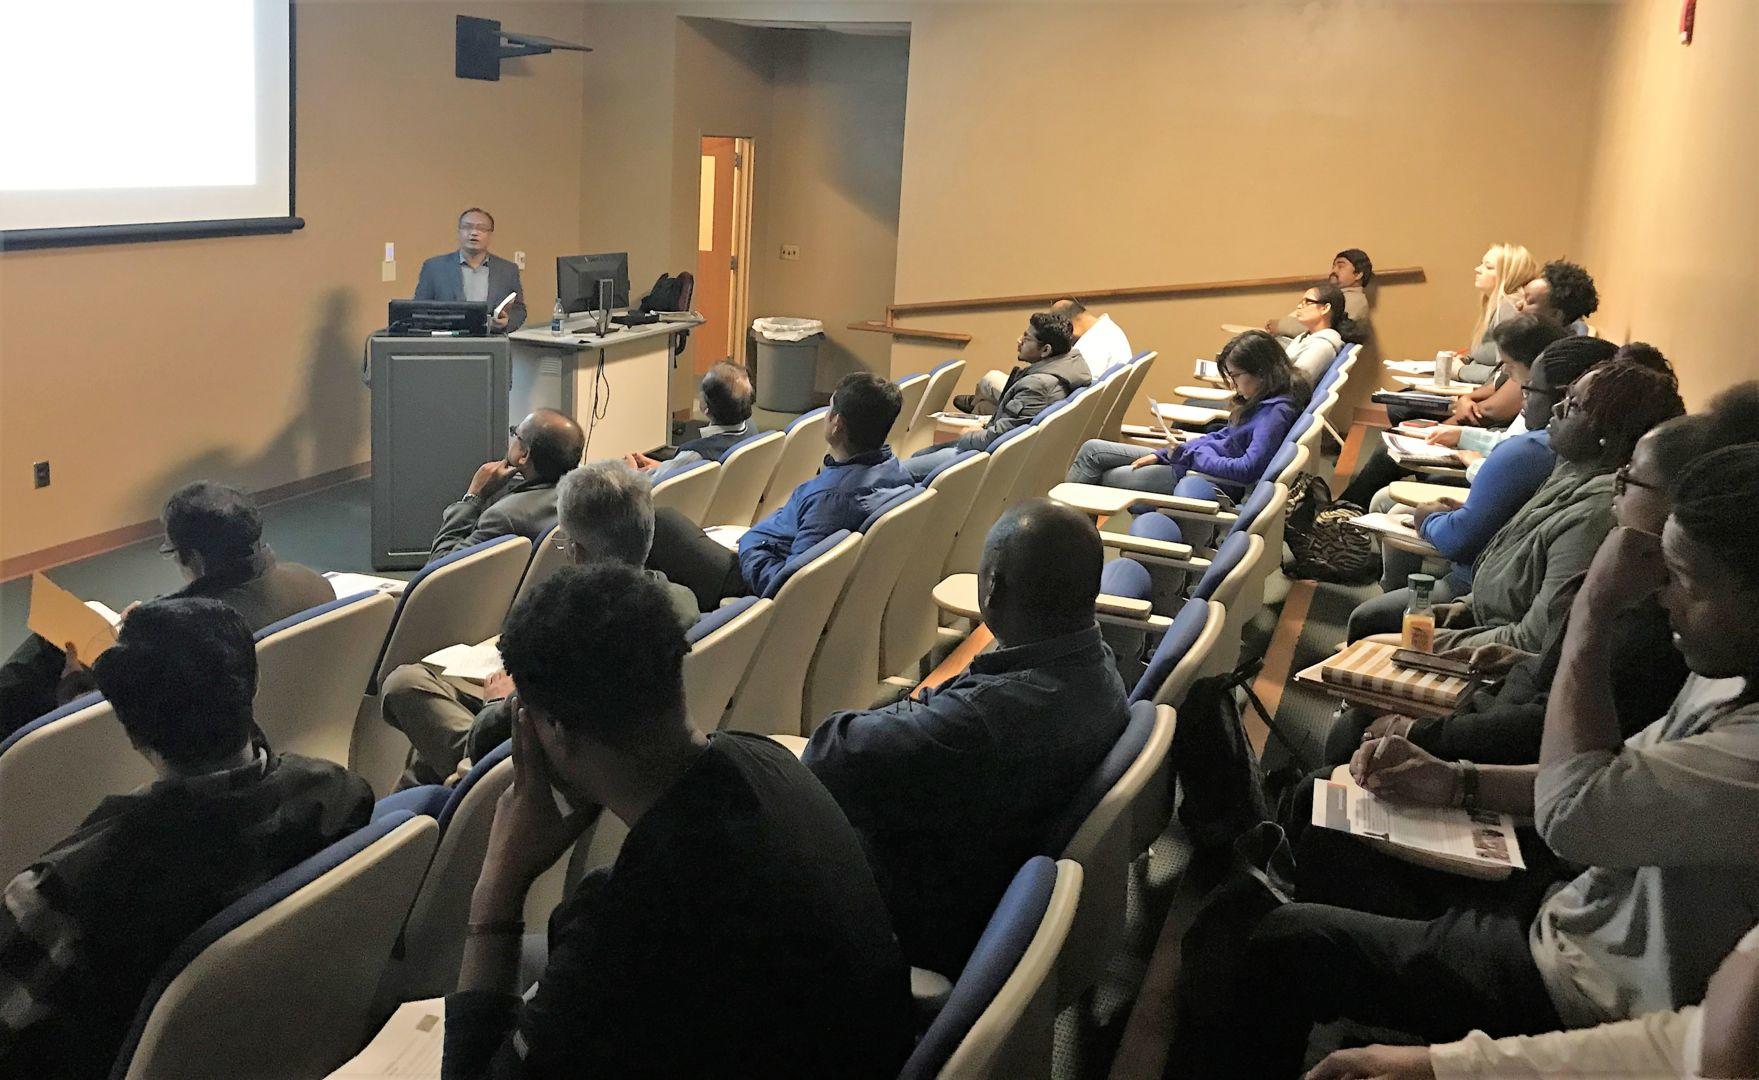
(1140, 292)
(946, 336)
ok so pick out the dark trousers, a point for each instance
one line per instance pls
(1435, 978)
(691, 558)
(29, 681)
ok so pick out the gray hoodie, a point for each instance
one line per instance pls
(1028, 392)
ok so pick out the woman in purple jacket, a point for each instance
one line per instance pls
(1268, 395)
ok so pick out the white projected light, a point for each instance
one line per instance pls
(120, 113)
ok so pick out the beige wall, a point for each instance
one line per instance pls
(1186, 142)
(1673, 203)
(828, 182)
(134, 368)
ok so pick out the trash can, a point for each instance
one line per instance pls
(787, 362)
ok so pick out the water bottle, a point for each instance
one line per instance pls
(556, 317)
(1419, 625)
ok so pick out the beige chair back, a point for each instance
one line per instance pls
(310, 671)
(803, 454)
(768, 700)
(745, 474)
(908, 632)
(1014, 1038)
(718, 660)
(290, 991)
(935, 396)
(55, 771)
(910, 391)
(1104, 845)
(844, 673)
(462, 598)
(1112, 427)
(1064, 432)
(689, 490)
(1008, 458)
(548, 555)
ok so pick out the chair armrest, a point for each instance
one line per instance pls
(1156, 552)
(1204, 393)
(1096, 500)
(960, 420)
(958, 595)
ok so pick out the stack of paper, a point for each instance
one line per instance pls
(58, 617)
(1188, 415)
(1417, 453)
(410, 1046)
(470, 664)
(1395, 525)
(1411, 367)
(1208, 369)
(1476, 843)
(349, 584)
(1368, 665)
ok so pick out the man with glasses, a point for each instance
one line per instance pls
(516, 495)
(606, 515)
(471, 273)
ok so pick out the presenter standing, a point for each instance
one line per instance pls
(471, 273)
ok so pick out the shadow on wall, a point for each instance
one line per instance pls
(334, 408)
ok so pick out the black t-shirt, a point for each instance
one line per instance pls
(740, 933)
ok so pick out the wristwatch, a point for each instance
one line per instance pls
(1468, 784)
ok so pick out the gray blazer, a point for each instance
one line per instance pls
(440, 280)
(527, 508)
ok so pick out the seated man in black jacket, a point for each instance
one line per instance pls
(725, 397)
(85, 928)
(739, 932)
(214, 534)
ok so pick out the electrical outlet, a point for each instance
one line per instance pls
(40, 474)
(791, 252)
(519, 259)
(388, 271)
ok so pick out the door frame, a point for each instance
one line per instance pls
(739, 303)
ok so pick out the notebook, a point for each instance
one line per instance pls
(1475, 843)
(1368, 665)
(1409, 451)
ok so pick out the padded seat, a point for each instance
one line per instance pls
(746, 470)
(310, 668)
(803, 454)
(689, 490)
(55, 771)
(722, 645)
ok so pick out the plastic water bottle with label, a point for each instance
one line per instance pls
(556, 317)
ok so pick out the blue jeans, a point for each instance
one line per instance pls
(1108, 463)
(923, 462)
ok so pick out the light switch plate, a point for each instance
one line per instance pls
(390, 252)
(519, 259)
(388, 271)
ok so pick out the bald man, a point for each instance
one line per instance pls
(516, 495)
(953, 791)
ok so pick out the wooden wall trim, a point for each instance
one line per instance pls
(84, 548)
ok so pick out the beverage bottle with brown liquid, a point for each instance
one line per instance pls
(1419, 633)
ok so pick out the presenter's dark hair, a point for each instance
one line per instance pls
(726, 391)
(1713, 504)
(477, 210)
(1054, 330)
(1525, 336)
(1573, 295)
(1358, 259)
(219, 523)
(600, 651)
(555, 442)
(181, 677)
(868, 405)
(1257, 353)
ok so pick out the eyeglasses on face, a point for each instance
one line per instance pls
(1623, 479)
(1308, 301)
(513, 432)
(1569, 406)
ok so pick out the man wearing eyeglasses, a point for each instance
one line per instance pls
(516, 495)
(471, 273)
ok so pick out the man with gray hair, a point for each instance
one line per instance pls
(605, 513)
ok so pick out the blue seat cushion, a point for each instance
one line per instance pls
(1126, 577)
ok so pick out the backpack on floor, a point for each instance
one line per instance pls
(1322, 545)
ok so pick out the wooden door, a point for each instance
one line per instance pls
(713, 341)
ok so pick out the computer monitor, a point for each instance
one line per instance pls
(469, 318)
(577, 280)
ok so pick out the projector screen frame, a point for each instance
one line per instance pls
(147, 231)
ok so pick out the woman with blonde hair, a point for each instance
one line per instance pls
(1501, 275)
